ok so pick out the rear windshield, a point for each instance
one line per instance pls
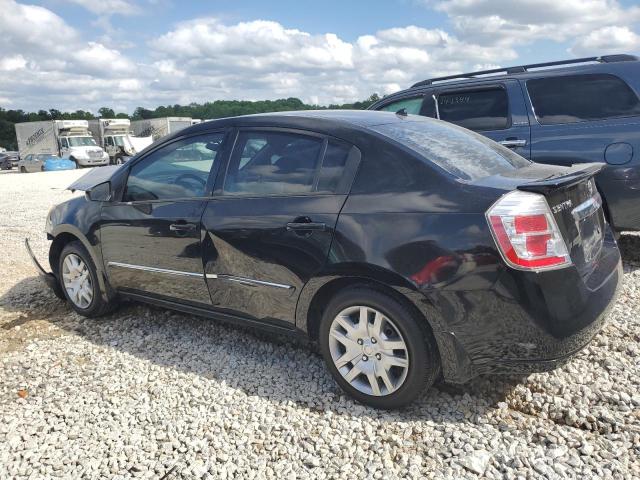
(461, 152)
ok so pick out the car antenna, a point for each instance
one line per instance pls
(402, 112)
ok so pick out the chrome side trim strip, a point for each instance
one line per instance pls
(155, 270)
(248, 281)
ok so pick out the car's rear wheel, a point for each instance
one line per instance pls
(23, 170)
(79, 279)
(377, 349)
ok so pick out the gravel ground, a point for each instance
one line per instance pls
(144, 392)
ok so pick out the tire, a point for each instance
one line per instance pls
(76, 162)
(23, 170)
(96, 305)
(401, 323)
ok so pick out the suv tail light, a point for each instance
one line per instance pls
(526, 232)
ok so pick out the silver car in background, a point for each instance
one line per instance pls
(33, 162)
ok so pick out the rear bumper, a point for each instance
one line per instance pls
(48, 277)
(530, 322)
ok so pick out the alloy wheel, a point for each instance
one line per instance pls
(77, 280)
(368, 350)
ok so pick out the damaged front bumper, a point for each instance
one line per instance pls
(48, 277)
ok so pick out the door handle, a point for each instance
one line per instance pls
(513, 143)
(182, 227)
(306, 226)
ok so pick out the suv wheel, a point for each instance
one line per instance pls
(79, 280)
(376, 348)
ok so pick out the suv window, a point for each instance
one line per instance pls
(476, 109)
(178, 170)
(579, 98)
(412, 105)
(465, 154)
(273, 163)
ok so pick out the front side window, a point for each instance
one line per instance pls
(476, 109)
(64, 143)
(273, 163)
(580, 98)
(411, 105)
(178, 170)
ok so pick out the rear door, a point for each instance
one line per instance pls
(270, 225)
(575, 118)
(151, 237)
(495, 110)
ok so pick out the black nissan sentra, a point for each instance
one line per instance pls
(406, 247)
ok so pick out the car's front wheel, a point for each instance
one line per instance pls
(377, 349)
(79, 279)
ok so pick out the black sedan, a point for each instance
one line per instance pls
(406, 247)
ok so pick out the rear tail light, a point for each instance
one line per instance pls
(526, 232)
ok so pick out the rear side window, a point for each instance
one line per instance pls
(332, 173)
(273, 163)
(476, 110)
(579, 98)
(465, 154)
(411, 105)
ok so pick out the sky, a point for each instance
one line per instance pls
(86, 54)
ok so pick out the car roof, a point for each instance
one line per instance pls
(521, 72)
(321, 121)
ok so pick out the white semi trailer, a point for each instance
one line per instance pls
(65, 138)
(159, 127)
(115, 137)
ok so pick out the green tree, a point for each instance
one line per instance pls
(106, 112)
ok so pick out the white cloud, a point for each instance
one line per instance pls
(9, 64)
(524, 21)
(207, 58)
(607, 40)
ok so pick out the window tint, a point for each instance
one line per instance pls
(333, 165)
(465, 154)
(578, 98)
(178, 170)
(476, 110)
(273, 163)
(412, 105)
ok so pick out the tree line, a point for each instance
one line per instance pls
(208, 110)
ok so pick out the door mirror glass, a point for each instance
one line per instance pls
(100, 192)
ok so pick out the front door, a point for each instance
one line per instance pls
(151, 238)
(270, 226)
(494, 110)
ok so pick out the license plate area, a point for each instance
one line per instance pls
(589, 221)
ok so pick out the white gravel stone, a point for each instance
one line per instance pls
(142, 390)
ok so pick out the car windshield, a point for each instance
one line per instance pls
(459, 151)
(119, 141)
(81, 142)
(45, 156)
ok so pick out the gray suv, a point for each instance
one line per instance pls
(564, 113)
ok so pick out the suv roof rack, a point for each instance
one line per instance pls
(525, 68)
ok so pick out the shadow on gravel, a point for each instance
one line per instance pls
(630, 250)
(276, 368)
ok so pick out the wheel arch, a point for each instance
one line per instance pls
(65, 234)
(318, 291)
(456, 364)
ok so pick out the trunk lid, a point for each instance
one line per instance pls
(574, 202)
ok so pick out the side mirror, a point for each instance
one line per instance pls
(100, 192)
